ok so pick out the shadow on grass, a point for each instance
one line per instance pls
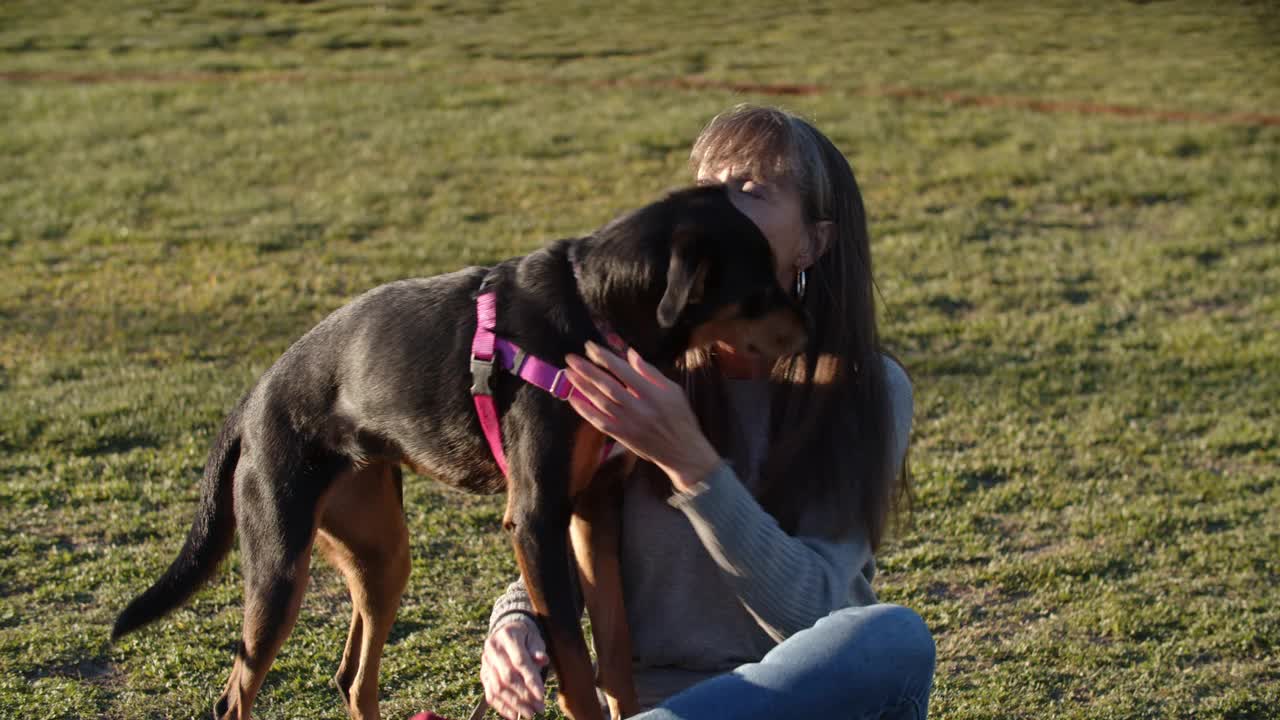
(97, 670)
(983, 478)
(118, 443)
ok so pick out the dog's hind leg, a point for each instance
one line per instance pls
(275, 515)
(363, 534)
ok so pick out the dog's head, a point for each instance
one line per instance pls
(687, 271)
(721, 281)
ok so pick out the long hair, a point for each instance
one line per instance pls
(830, 420)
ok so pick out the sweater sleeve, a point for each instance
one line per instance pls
(515, 604)
(787, 582)
(512, 605)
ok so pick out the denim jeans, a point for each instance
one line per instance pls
(857, 663)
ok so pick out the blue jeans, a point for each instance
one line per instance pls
(857, 663)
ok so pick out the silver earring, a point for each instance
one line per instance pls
(801, 282)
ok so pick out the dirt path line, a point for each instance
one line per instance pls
(1038, 105)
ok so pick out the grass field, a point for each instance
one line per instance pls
(1089, 303)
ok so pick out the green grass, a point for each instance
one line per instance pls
(1088, 305)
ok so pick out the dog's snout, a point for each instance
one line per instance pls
(792, 342)
(791, 339)
(781, 332)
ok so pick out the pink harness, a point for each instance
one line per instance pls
(487, 349)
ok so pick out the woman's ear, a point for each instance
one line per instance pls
(819, 242)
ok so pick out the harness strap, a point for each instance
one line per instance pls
(487, 351)
(482, 351)
(534, 370)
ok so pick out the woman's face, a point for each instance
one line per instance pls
(777, 209)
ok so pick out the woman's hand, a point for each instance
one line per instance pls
(644, 410)
(511, 670)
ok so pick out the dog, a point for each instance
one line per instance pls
(312, 455)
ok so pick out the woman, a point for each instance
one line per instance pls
(748, 581)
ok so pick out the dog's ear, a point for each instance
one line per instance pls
(686, 275)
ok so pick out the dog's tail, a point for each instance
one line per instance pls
(207, 543)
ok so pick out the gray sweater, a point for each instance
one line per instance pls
(709, 578)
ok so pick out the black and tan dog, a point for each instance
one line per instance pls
(312, 454)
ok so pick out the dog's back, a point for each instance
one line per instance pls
(384, 378)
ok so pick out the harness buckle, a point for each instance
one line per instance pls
(481, 376)
(555, 382)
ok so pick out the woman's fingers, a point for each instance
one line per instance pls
(522, 663)
(644, 369)
(644, 410)
(509, 672)
(508, 710)
(620, 368)
(591, 377)
(538, 649)
(631, 398)
(625, 380)
(493, 692)
(499, 696)
(590, 411)
(637, 374)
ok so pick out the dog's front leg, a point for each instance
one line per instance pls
(538, 511)
(594, 530)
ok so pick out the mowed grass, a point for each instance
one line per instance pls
(1088, 304)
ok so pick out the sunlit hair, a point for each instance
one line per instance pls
(830, 421)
